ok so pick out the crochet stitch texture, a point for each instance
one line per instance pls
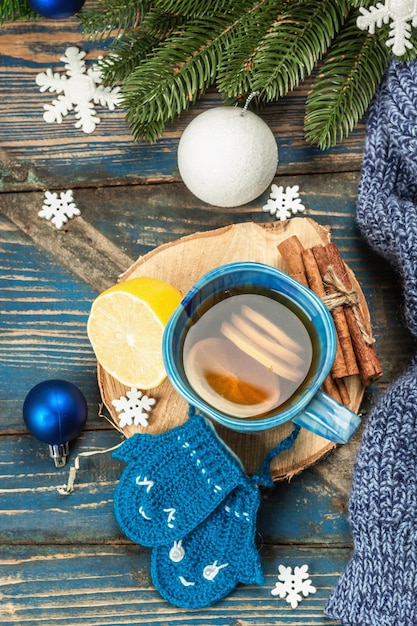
(186, 494)
(213, 558)
(379, 585)
(173, 481)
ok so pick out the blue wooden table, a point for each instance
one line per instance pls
(64, 560)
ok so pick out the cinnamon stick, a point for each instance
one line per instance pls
(331, 388)
(306, 272)
(322, 257)
(339, 369)
(313, 274)
(343, 392)
(291, 249)
(369, 366)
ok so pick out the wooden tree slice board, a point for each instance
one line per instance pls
(181, 263)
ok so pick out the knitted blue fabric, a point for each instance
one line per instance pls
(205, 565)
(379, 586)
(185, 493)
(387, 195)
(173, 481)
(208, 563)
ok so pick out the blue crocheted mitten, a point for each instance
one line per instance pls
(207, 564)
(173, 481)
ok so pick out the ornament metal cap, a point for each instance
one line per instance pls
(250, 97)
(59, 453)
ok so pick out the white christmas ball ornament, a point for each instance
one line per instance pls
(227, 156)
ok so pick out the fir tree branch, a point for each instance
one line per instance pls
(193, 8)
(362, 3)
(235, 78)
(161, 24)
(277, 52)
(111, 17)
(125, 55)
(345, 86)
(180, 69)
(167, 53)
(13, 10)
(128, 51)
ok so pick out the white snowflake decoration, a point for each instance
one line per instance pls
(59, 209)
(134, 408)
(79, 89)
(293, 586)
(284, 202)
(401, 13)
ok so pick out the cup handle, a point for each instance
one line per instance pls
(328, 418)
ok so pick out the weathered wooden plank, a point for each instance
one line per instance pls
(139, 219)
(46, 306)
(44, 309)
(78, 246)
(36, 155)
(110, 585)
(305, 510)
(63, 560)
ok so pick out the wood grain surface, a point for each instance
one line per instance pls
(181, 263)
(34, 154)
(63, 560)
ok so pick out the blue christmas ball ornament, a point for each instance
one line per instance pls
(55, 412)
(56, 9)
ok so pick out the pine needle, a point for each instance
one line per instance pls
(12, 10)
(112, 17)
(344, 86)
(167, 53)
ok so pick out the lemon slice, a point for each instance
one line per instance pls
(125, 328)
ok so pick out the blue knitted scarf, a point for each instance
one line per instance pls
(379, 586)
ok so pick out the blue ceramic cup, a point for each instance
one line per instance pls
(308, 406)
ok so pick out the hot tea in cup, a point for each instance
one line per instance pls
(250, 347)
(247, 354)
